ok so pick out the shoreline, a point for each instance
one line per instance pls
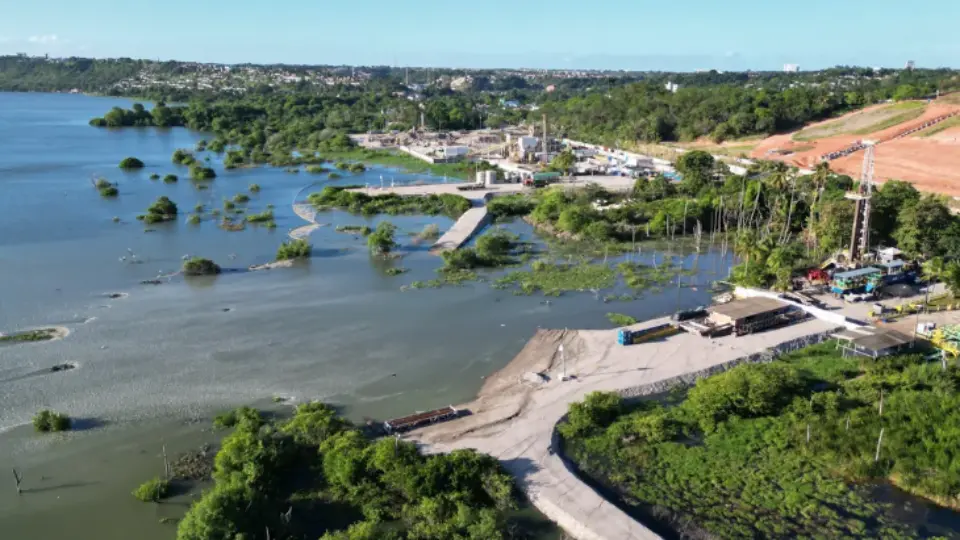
(518, 407)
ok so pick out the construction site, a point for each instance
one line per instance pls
(915, 141)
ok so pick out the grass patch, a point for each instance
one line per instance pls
(449, 277)
(408, 163)
(555, 278)
(153, 490)
(620, 319)
(640, 276)
(941, 127)
(362, 230)
(909, 114)
(395, 271)
(908, 110)
(263, 217)
(47, 421)
(390, 203)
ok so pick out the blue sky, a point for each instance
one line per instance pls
(680, 35)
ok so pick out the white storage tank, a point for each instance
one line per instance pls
(490, 177)
(528, 144)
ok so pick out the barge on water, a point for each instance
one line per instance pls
(406, 423)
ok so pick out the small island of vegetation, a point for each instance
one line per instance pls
(786, 449)
(198, 172)
(170, 179)
(619, 319)
(131, 163)
(163, 209)
(183, 157)
(42, 334)
(198, 266)
(106, 188)
(340, 197)
(47, 421)
(294, 249)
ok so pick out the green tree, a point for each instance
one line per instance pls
(696, 167)
(563, 162)
(745, 391)
(886, 205)
(381, 240)
(198, 266)
(596, 411)
(919, 226)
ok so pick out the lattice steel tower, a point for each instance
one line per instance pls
(860, 240)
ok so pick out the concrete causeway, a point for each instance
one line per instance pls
(468, 225)
(473, 220)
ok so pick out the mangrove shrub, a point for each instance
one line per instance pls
(131, 163)
(47, 421)
(198, 266)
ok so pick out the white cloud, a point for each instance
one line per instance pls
(45, 39)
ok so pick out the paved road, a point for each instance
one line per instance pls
(514, 420)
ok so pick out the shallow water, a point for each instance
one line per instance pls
(335, 328)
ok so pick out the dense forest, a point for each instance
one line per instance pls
(781, 450)
(648, 112)
(316, 476)
(611, 108)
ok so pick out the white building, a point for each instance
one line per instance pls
(791, 68)
(453, 151)
(672, 87)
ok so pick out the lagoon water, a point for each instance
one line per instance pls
(155, 365)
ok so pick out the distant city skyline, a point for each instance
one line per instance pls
(637, 35)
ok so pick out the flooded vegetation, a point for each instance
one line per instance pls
(790, 448)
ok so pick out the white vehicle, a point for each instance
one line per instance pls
(926, 329)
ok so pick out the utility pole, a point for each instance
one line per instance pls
(563, 360)
(544, 139)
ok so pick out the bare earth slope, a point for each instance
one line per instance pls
(931, 163)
